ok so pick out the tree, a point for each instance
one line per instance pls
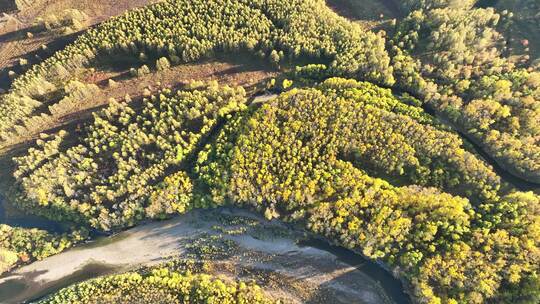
(162, 64)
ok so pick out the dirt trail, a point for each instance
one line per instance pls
(263, 251)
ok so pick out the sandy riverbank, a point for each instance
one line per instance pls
(296, 273)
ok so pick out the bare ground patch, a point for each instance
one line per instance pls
(247, 74)
(297, 274)
(369, 13)
(15, 44)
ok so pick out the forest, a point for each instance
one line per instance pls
(414, 143)
(289, 159)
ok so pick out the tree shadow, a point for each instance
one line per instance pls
(20, 34)
(35, 57)
(8, 6)
(26, 288)
(15, 288)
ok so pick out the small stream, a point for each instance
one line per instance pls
(18, 219)
(387, 282)
(505, 175)
(517, 182)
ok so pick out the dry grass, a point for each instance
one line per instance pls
(15, 44)
(248, 75)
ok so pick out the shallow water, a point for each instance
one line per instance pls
(333, 274)
(19, 290)
(19, 219)
(391, 286)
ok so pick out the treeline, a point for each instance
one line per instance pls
(452, 56)
(186, 31)
(160, 285)
(320, 155)
(127, 164)
(22, 245)
(456, 57)
(448, 251)
(290, 159)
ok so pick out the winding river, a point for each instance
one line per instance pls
(319, 272)
(302, 272)
(306, 271)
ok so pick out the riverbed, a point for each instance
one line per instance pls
(269, 251)
(294, 269)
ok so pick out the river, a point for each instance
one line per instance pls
(16, 218)
(302, 272)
